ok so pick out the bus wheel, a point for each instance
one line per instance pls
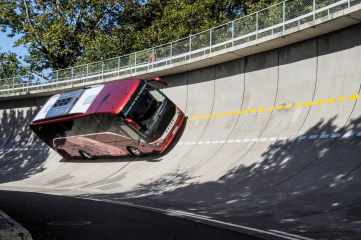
(86, 155)
(136, 152)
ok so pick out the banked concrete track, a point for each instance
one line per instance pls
(294, 169)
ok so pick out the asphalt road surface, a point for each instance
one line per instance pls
(56, 217)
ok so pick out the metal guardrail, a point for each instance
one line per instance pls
(269, 21)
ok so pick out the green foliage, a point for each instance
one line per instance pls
(174, 19)
(10, 66)
(63, 33)
(57, 33)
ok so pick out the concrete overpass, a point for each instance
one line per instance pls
(271, 147)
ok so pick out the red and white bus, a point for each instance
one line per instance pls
(125, 117)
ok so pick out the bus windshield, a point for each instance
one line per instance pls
(151, 110)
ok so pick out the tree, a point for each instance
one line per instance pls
(169, 20)
(10, 66)
(63, 33)
(156, 22)
(57, 32)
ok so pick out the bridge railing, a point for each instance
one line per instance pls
(269, 21)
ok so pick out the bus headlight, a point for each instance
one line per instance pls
(158, 143)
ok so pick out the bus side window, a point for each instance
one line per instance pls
(57, 129)
(107, 124)
(45, 132)
(66, 129)
(87, 125)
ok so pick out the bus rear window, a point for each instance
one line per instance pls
(49, 132)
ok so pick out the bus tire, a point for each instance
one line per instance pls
(86, 155)
(136, 152)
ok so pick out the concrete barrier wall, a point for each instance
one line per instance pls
(290, 163)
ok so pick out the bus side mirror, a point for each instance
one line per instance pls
(161, 80)
(132, 123)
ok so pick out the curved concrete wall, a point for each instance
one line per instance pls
(272, 142)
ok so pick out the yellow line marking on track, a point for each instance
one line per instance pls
(330, 100)
(352, 97)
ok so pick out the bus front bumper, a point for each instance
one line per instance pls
(171, 135)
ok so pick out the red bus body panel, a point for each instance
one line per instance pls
(170, 136)
(102, 144)
(110, 100)
(113, 97)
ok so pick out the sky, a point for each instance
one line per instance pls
(6, 44)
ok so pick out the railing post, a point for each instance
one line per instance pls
(42, 84)
(57, 78)
(232, 33)
(118, 66)
(153, 59)
(135, 62)
(284, 14)
(171, 52)
(314, 10)
(349, 3)
(13, 86)
(72, 75)
(87, 72)
(28, 84)
(257, 25)
(210, 41)
(190, 46)
(102, 69)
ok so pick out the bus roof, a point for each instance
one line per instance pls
(107, 98)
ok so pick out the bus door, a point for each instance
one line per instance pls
(136, 138)
(129, 133)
